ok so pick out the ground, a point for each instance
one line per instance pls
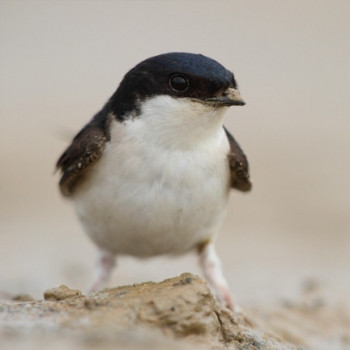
(177, 313)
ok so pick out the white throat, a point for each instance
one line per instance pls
(179, 123)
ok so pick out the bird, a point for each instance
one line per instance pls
(150, 174)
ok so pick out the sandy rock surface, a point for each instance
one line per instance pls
(178, 313)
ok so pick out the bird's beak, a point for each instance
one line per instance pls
(231, 97)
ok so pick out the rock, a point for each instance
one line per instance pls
(178, 313)
(22, 298)
(61, 293)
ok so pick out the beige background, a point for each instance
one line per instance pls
(61, 60)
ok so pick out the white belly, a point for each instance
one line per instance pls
(157, 201)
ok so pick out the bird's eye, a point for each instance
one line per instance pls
(178, 83)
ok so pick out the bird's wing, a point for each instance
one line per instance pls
(86, 148)
(238, 165)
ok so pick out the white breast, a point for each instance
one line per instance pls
(162, 183)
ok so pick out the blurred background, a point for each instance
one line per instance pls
(61, 60)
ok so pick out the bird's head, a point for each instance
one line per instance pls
(181, 76)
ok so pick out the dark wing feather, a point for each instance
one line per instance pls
(239, 166)
(86, 148)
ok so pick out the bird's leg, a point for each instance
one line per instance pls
(211, 265)
(104, 266)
